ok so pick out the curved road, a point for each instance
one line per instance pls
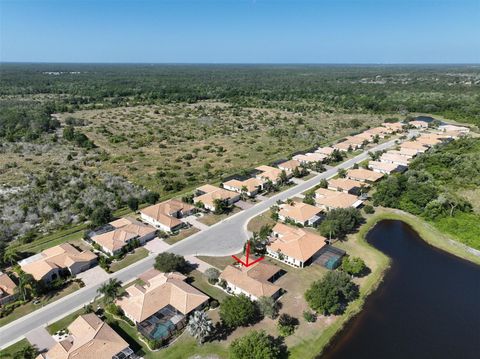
(224, 238)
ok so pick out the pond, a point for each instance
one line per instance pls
(428, 305)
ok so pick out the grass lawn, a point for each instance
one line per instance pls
(184, 233)
(200, 282)
(210, 219)
(261, 220)
(131, 258)
(64, 322)
(12, 349)
(219, 262)
(44, 300)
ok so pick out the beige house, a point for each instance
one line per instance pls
(363, 175)
(346, 185)
(208, 194)
(165, 215)
(328, 200)
(125, 230)
(384, 167)
(89, 338)
(344, 146)
(453, 128)
(310, 158)
(165, 297)
(250, 186)
(289, 166)
(381, 132)
(7, 289)
(429, 141)
(327, 151)
(301, 213)
(393, 126)
(420, 148)
(408, 152)
(49, 264)
(294, 246)
(268, 173)
(395, 158)
(254, 281)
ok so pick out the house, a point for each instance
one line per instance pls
(384, 167)
(294, 246)
(393, 126)
(50, 263)
(161, 305)
(358, 141)
(268, 173)
(407, 152)
(327, 151)
(125, 231)
(419, 124)
(395, 158)
(89, 337)
(165, 215)
(289, 166)
(453, 128)
(310, 158)
(250, 186)
(328, 200)
(346, 185)
(453, 134)
(254, 281)
(429, 141)
(301, 213)
(343, 146)
(381, 132)
(420, 148)
(7, 289)
(208, 195)
(363, 175)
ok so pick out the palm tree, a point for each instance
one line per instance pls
(110, 290)
(26, 285)
(28, 352)
(243, 192)
(199, 326)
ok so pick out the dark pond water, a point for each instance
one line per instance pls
(428, 305)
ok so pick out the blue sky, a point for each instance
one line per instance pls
(237, 31)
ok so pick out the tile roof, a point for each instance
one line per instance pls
(296, 242)
(119, 237)
(364, 174)
(268, 172)
(345, 184)
(251, 184)
(89, 338)
(212, 193)
(325, 150)
(164, 212)
(160, 290)
(61, 256)
(384, 166)
(253, 279)
(299, 211)
(335, 199)
(289, 165)
(414, 145)
(394, 157)
(7, 286)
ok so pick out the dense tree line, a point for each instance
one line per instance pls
(445, 90)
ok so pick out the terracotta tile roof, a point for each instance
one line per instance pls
(335, 199)
(299, 211)
(453, 128)
(160, 290)
(61, 256)
(395, 158)
(414, 145)
(364, 175)
(345, 184)
(377, 131)
(393, 125)
(325, 150)
(212, 193)
(296, 242)
(428, 140)
(269, 173)
(289, 165)
(251, 184)
(383, 166)
(310, 157)
(7, 286)
(118, 238)
(343, 145)
(408, 151)
(357, 140)
(253, 279)
(164, 212)
(419, 124)
(89, 338)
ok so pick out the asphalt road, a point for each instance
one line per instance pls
(224, 238)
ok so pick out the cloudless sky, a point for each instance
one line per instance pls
(241, 31)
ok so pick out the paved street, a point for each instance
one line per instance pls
(224, 238)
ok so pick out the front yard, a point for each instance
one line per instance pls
(129, 259)
(184, 233)
(210, 218)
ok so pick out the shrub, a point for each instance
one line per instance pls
(286, 325)
(309, 316)
(267, 306)
(354, 266)
(369, 209)
(170, 262)
(256, 344)
(212, 275)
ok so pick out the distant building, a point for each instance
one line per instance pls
(395, 158)
(384, 167)
(419, 124)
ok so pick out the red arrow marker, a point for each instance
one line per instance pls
(247, 262)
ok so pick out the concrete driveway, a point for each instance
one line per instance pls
(193, 221)
(157, 245)
(201, 265)
(93, 276)
(40, 338)
(243, 205)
